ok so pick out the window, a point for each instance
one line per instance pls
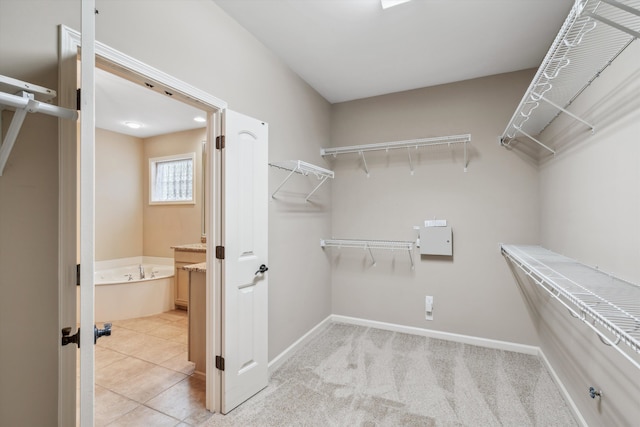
(171, 179)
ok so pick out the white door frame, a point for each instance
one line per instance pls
(134, 70)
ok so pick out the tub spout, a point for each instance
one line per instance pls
(141, 268)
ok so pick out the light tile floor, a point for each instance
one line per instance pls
(143, 377)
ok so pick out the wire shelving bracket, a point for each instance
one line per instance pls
(368, 245)
(593, 35)
(590, 295)
(396, 145)
(303, 168)
(25, 98)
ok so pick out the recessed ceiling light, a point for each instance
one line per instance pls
(390, 3)
(199, 119)
(133, 125)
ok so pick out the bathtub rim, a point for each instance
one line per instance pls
(123, 262)
(130, 262)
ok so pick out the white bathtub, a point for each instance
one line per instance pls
(120, 293)
(131, 273)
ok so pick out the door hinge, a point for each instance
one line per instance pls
(220, 363)
(78, 98)
(220, 142)
(77, 274)
(219, 252)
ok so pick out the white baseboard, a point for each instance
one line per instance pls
(289, 351)
(465, 339)
(563, 390)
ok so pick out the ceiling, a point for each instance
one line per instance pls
(351, 49)
(119, 100)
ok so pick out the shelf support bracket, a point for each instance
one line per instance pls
(364, 162)
(324, 178)
(273, 195)
(373, 260)
(466, 161)
(537, 97)
(613, 24)
(14, 129)
(410, 162)
(411, 259)
(624, 7)
(24, 102)
(534, 140)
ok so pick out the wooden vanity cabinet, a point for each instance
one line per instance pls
(181, 259)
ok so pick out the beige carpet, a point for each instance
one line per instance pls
(358, 376)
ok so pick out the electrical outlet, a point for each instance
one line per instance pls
(428, 307)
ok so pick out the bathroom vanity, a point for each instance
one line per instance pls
(184, 255)
(197, 291)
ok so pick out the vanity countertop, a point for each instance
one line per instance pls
(192, 247)
(201, 267)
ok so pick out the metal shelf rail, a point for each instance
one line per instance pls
(303, 168)
(594, 297)
(395, 145)
(368, 245)
(593, 35)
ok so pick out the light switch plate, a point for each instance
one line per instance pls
(428, 307)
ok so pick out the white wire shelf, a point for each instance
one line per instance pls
(302, 168)
(368, 245)
(396, 145)
(594, 297)
(593, 35)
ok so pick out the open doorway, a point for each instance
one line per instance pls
(145, 139)
(78, 206)
(236, 219)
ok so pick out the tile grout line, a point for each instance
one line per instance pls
(155, 364)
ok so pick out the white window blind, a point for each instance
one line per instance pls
(172, 179)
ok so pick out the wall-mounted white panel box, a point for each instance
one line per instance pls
(436, 240)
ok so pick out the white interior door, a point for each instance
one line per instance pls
(87, 215)
(67, 230)
(245, 237)
(76, 209)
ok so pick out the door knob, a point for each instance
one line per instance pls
(67, 338)
(262, 269)
(97, 333)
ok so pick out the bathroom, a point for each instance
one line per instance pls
(135, 128)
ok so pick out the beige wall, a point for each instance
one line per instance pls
(210, 51)
(169, 225)
(119, 195)
(495, 201)
(590, 206)
(126, 224)
(196, 42)
(29, 221)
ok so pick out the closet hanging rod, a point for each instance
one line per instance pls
(415, 143)
(24, 102)
(33, 106)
